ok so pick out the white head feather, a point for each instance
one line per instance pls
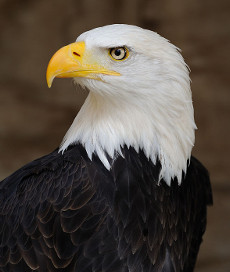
(148, 107)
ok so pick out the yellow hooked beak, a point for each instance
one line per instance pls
(73, 61)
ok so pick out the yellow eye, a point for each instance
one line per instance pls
(118, 53)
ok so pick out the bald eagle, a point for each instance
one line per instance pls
(122, 193)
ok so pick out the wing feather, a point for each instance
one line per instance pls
(47, 200)
(68, 213)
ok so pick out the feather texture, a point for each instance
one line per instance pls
(64, 212)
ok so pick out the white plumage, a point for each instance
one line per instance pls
(154, 86)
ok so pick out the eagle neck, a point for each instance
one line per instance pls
(105, 124)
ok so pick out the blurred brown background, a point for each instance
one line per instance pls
(33, 118)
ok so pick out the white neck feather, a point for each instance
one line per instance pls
(105, 124)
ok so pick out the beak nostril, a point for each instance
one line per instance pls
(76, 54)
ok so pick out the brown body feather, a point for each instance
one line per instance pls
(67, 213)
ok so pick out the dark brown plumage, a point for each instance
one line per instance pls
(64, 212)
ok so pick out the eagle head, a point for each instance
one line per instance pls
(139, 96)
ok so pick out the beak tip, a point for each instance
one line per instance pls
(49, 81)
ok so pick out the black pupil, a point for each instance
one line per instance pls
(117, 52)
